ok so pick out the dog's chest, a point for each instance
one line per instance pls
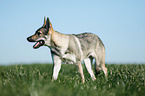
(69, 58)
(66, 56)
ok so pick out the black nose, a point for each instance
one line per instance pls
(30, 39)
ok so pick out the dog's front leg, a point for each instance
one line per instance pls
(80, 70)
(56, 66)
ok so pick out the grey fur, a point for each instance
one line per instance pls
(72, 49)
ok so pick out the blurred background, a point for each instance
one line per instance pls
(119, 23)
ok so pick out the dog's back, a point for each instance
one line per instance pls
(93, 48)
(90, 42)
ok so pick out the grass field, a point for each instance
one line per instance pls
(35, 80)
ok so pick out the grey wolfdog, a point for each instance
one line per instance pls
(72, 49)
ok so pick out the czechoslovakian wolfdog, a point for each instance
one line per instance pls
(71, 48)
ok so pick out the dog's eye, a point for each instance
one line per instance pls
(38, 33)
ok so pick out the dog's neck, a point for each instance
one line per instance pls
(58, 38)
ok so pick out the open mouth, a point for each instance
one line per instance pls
(38, 44)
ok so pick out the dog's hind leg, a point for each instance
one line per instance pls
(80, 70)
(88, 65)
(97, 66)
(100, 63)
(103, 62)
(104, 69)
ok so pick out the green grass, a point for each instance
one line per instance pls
(35, 80)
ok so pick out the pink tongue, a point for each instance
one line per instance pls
(36, 44)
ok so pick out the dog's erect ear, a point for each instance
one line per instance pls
(48, 24)
(44, 25)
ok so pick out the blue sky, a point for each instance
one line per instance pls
(119, 23)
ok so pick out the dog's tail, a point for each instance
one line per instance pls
(100, 61)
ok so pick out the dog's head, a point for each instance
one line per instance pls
(42, 35)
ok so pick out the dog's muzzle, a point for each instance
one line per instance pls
(37, 44)
(30, 39)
